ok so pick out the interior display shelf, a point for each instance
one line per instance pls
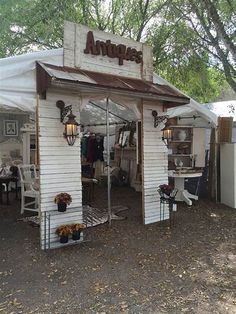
(181, 168)
(126, 148)
(178, 141)
(180, 155)
(181, 126)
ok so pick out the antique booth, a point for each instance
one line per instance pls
(98, 66)
(100, 112)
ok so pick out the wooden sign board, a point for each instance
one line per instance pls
(98, 51)
(225, 129)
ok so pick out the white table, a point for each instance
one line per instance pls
(179, 177)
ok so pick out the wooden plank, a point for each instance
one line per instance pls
(60, 168)
(60, 188)
(155, 165)
(59, 171)
(74, 56)
(63, 176)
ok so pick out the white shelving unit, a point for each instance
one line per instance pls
(191, 150)
(181, 154)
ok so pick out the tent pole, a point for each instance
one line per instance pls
(108, 164)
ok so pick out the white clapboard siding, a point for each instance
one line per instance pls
(60, 167)
(155, 165)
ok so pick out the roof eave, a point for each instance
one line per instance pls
(82, 86)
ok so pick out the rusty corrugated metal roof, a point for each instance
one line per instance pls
(108, 81)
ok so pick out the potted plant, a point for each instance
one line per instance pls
(63, 232)
(62, 200)
(76, 230)
(165, 190)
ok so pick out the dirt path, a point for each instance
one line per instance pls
(129, 268)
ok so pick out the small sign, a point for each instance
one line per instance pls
(10, 128)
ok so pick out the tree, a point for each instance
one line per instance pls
(179, 52)
(27, 24)
(214, 24)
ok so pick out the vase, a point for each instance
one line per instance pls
(76, 235)
(63, 239)
(61, 207)
(182, 135)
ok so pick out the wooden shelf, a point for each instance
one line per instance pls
(126, 148)
(181, 126)
(179, 155)
(178, 141)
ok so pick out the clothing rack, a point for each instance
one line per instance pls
(102, 124)
(190, 117)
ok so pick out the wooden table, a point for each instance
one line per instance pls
(182, 194)
(6, 180)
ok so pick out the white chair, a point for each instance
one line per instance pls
(28, 178)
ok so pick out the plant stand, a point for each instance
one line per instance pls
(167, 210)
(50, 240)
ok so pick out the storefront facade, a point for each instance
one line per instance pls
(97, 65)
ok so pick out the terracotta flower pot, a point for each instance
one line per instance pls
(61, 207)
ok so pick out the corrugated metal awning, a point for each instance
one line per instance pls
(48, 74)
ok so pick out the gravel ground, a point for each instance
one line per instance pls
(129, 268)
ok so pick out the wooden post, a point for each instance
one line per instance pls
(212, 166)
(108, 163)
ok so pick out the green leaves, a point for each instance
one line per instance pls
(193, 41)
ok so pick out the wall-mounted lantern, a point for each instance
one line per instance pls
(167, 135)
(71, 125)
(158, 119)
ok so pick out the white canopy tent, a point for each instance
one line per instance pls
(18, 92)
(208, 118)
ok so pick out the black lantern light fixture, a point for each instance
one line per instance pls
(167, 135)
(71, 125)
(167, 132)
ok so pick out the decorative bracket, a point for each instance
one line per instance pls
(158, 119)
(63, 108)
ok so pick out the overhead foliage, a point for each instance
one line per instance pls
(185, 53)
(213, 23)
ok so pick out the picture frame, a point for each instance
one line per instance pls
(125, 138)
(10, 128)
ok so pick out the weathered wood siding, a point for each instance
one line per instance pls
(75, 37)
(60, 168)
(155, 165)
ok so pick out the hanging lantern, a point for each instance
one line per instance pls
(167, 135)
(71, 129)
(71, 125)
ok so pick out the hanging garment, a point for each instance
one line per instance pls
(84, 146)
(91, 149)
(99, 168)
(98, 148)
